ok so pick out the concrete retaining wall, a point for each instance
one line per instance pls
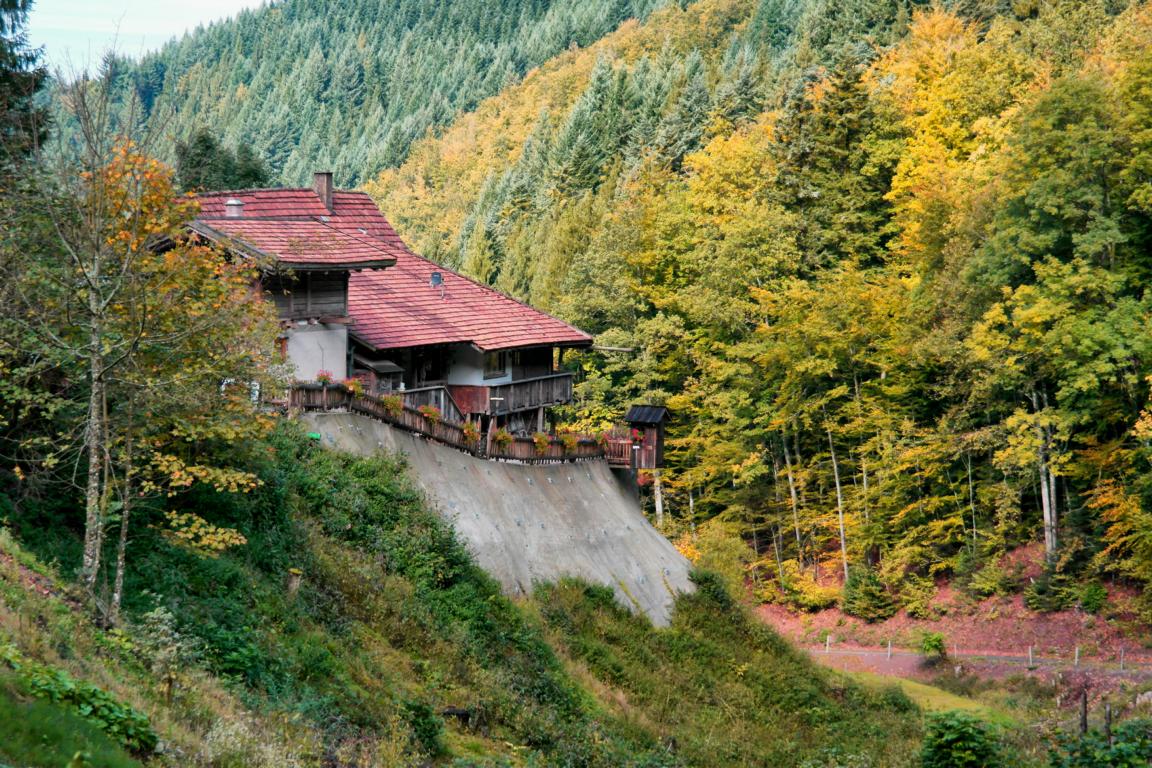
(527, 524)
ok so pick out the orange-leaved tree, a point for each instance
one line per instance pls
(172, 336)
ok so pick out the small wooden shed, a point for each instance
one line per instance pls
(647, 425)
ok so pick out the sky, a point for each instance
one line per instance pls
(76, 33)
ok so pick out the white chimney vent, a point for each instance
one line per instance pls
(233, 208)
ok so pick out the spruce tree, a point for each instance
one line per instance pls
(23, 125)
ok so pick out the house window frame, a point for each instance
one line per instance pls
(500, 367)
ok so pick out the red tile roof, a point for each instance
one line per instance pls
(392, 308)
(293, 227)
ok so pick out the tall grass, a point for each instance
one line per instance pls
(354, 618)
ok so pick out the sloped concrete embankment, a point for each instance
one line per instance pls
(529, 524)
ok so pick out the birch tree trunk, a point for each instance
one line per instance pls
(94, 437)
(1047, 482)
(839, 506)
(795, 503)
(125, 513)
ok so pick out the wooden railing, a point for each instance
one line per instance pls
(408, 418)
(438, 397)
(314, 397)
(618, 452)
(525, 449)
(530, 393)
(317, 397)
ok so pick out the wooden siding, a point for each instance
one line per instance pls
(531, 393)
(309, 294)
(531, 363)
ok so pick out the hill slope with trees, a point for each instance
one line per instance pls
(886, 264)
(313, 85)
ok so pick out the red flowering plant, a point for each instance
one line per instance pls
(471, 432)
(324, 377)
(430, 412)
(355, 387)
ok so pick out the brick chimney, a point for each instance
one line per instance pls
(322, 184)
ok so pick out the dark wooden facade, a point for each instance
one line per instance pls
(307, 294)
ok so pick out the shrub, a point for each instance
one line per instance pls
(471, 432)
(959, 740)
(932, 646)
(502, 438)
(916, 596)
(866, 598)
(120, 721)
(569, 441)
(799, 590)
(1130, 746)
(541, 442)
(392, 405)
(430, 412)
(1049, 592)
(725, 553)
(991, 580)
(35, 732)
(1093, 596)
(425, 725)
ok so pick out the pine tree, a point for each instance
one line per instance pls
(23, 124)
(682, 129)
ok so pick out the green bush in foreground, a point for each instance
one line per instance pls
(1130, 747)
(959, 740)
(39, 734)
(121, 722)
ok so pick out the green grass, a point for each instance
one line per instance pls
(38, 734)
(393, 622)
(933, 699)
(722, 687)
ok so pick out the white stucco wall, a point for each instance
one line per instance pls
(313, 348)
(468, 368)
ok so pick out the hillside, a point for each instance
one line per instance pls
(886, 267)
(348, 86)
(352, 626)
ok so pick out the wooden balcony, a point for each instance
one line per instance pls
(402, 414)
(437, 397)
(525, 449)
(529, 394)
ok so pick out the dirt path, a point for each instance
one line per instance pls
(904, 663)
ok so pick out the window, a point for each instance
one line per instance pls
(495, 364)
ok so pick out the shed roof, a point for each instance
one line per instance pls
(392, 309)
(646, 414)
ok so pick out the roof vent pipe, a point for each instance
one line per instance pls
(322, 184)
(233, 208)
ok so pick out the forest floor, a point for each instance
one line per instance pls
(996, 627)
(993, 638)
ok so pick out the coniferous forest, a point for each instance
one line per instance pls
(885, 261)
(348, 85)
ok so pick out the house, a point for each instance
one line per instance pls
(355, 301)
